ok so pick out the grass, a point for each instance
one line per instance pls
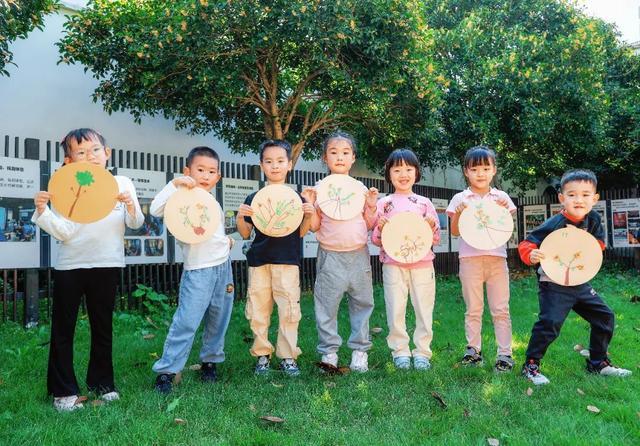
(383, 406)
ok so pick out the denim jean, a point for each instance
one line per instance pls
(204, 293)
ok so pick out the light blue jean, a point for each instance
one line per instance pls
(204, 293)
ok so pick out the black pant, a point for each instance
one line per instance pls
(556, 302)
(98, 285)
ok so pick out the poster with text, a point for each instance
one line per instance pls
(625, 217)
(234, 192)
(555, 208)
(534, 216)
(19, 237)
(148, 244)
(601, 208)
(441, 206)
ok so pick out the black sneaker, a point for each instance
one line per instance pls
(472, 357)
(208, 372)
(504, 363)
(164, 382)
(531, 371)
(262, 365)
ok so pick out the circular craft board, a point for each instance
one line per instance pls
(407, 237)
(277, 210)
(484, 224)
(83, 192)
(192, 215)
(340, 197)
(572, 256)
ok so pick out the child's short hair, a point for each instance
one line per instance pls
(479, 156)
(80, 135)
(275, 143)
(578, 175)
(339, 134)
(399, 157)
(202, 151)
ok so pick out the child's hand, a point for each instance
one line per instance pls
(185, 181)
(503, 202)
(381, 222)
(125, 197)
(245, 210)
(535, 256)
(40, 200)
(461, 207)
(432, 222)
(309, 194)
(308, 209)
(372, 197)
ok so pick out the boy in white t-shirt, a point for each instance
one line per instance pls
(206, 286)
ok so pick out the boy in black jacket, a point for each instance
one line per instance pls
(577, 195)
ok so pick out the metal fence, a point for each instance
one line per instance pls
(26, 293)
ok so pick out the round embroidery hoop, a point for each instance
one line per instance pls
(486, 225)
(340, 197)
(192, 215)
(277, 210)
(407, 237)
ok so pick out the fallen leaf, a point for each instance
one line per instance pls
(493, 442)
(456, 365)
(154, 355)
(272, 419)
(580, 391)
(149, 336)
(593, 409)
(195, 367)
(331, 369)
(150, 321)
(330, 384)
(376, 330)
(577, 347)
(439, 399)
(173, 404)
(529, 391)
(97, 403)
(277, 385)
(180, 421)
(81, 399)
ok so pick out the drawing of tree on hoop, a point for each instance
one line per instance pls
(569, 266)
(487, 224)
(411, 248)
(340, 200)
(84, 178)
(272, 219)
(203, 218)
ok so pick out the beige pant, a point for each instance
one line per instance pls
(474, 273)
(268, 284)
(420, 284)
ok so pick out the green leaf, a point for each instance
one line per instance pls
(84, 178)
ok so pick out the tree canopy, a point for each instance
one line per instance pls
(17, 19)
(548, 87)
(291, 69)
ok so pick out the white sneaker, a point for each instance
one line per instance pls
(330, 358)
(111, 396)
(605, 368)
(359, 362)
(67, 403)
(531, 371)
(421, 363)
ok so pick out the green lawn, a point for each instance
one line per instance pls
(383, 406)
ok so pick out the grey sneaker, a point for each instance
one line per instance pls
(289, 367)
(421, 363)
(531, 371)
(402, 362)
(262, 365)
(504, 363)
(67, 403)
(472, 357)
(109, 397)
